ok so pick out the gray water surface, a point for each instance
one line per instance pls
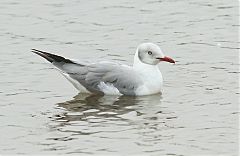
(42, 113)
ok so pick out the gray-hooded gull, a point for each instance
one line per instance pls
(143, 78)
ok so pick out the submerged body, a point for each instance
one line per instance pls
(143, 78)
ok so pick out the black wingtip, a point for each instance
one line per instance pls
(51, 57)
(42, 54)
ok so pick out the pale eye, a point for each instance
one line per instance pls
(149, 53)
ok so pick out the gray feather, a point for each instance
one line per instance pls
(124, 78)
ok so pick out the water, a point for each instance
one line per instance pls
(41, 113)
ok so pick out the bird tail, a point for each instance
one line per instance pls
(52, 57)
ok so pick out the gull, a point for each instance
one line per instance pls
(111, 78)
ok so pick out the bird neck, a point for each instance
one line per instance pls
(140, 66)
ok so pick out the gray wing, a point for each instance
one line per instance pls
(124, 78)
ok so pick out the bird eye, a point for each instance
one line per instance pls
(149, 53)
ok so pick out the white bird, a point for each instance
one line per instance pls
(143, 78)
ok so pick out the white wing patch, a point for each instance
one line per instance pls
(108, 88)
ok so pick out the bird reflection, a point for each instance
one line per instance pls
(84, 106)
